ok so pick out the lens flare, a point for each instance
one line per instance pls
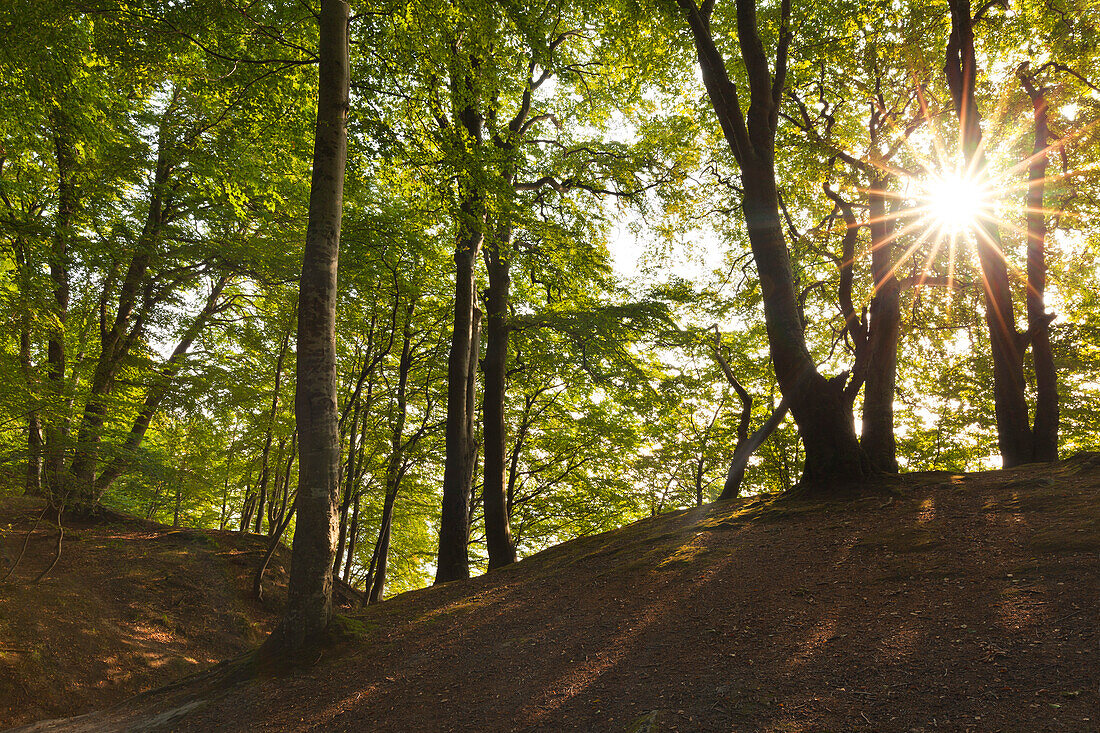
(955, 203)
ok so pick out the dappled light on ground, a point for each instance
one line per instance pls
(869, 614)
(130, 605)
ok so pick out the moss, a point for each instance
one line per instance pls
(347, 628)
(684, 555)
(646, 723)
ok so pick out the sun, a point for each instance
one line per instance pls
(954, 203)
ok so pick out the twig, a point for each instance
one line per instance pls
(26, 541)
(57, 553)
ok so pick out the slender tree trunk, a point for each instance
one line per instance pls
(265, 453)
(247, 505)
(350, 478)
(158, 391)
(118, 335)
(179, 502)
(353, 536)
(33, 482)
(309, 596)
(55, 429)
(1010, 403)
(223, 516)
(453, 561)
(746, 444)
(877, 434)
(277, 505)
(272, 545)
(394, 471)
(498, 534)
(377, 586)
(1045, 430)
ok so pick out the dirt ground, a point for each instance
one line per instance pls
(942, 602)
(130, 605)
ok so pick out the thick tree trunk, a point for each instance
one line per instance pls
(309, 595)
(498, 535)
(833, 455)
(823, 416)
(1045, 430)
(877, 433)
(1010, 403)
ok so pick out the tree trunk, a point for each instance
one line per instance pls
(349, 486)
(394, 465)
(118, 335)
(272, 545)
(377, 586)
(1010, 404)
(32, 485)
(223, 515)
(309, 595)
(1045, 430)
(877, 433)
(55, 426)
(353, 536)
(265, 453)
(453, 561)
(498, 535)
(833, 455)
(179, 501)
(823, 416)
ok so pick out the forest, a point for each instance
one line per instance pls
(425, 287)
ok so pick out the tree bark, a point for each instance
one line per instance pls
(1010, 404)
(117, 336)
(309, 595)
(353, 537)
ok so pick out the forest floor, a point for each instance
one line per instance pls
(130, 605)
(941, 602)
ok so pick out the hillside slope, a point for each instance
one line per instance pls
(949, 602)
(130, 605)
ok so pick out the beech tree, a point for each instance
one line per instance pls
(833, 455)
(309, 594)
